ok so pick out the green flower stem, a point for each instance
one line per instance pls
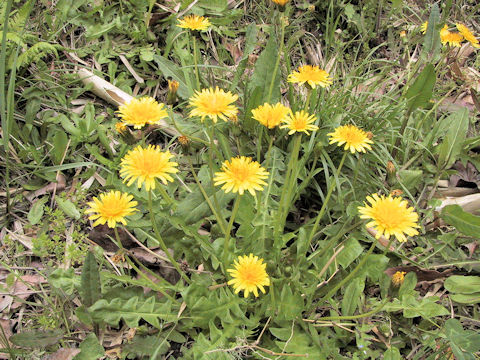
(175, 125)
(161, 242)
(221, 222)
(388, 246)
(351, 317)
(226, 250)
(307, 100)
(325, 202)
(352, 274)
(277, 62)
(165, 195)
(195, 61)
(287, 187)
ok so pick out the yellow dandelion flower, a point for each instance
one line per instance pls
(451, 38)
(121, 127)
(312, 75)
(390, 216)
(354, 138)
(398, 277)
(249, 275)
(214, 103)
(403, 33)
(424, 27)
(143, 111)
(467, 34)
(194, 22)
(270, 115)
(301, 121)
(240, 174)
(144, 165)
(112, 207)
(281, 2)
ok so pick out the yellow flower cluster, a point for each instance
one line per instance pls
(454, 38)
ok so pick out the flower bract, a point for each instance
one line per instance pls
(249, 275)
(112, 207)
(301, 121)
(143, 111)
(121, 127)
(390, 216)
(467, 34)
(281, 2)
(312, 75)
(354, 138)
(144, 165)
(194, 22)
(240, 174)
(450, 38)
(213, 103)
(271, 115)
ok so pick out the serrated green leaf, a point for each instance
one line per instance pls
(468, 224)
(290, 304)
(36, 211)
(37, 338)
(91, 287)
(392, 354)
(420, 92)
(350, 252)
(132, 311)
(68, 208)
(170, 69)
(464, 343)
(408, 285)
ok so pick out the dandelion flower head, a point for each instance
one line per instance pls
(144, 165)
(390, 216)
(281, 2)
(398, 277)
(423, 27)
(143, 111)
(249, 275)
(121, 127)
(354, 138)
(241, 173)
(194, 22)
(312, 75)
(301, 121)
(450, 38)
(270, 115)
(213, 103)
(112, 207)
(467, 34)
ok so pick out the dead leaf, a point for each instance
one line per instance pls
(102, 235)
(63, 354)
(7, 325)
(54, 186)
(157, 258)
(471, 248)
(466, 176)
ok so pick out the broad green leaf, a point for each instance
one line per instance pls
(170, 69)
(431, 43)
(132, 311)
(466, 298)
(217, 6)
(468, 224)
(91, 288)
(452, 144)
(464, 343)
(410, 178)
(408, 285)
(420, 92)
(68, 208)
(60, 141)
(426, 308)
(90, 349)
(66, 280)
(146, 347)
(463, 284)
(37, 338)
(36, 211)
(392, 354)
(290, 304)
(352, 250)
(351, 298)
